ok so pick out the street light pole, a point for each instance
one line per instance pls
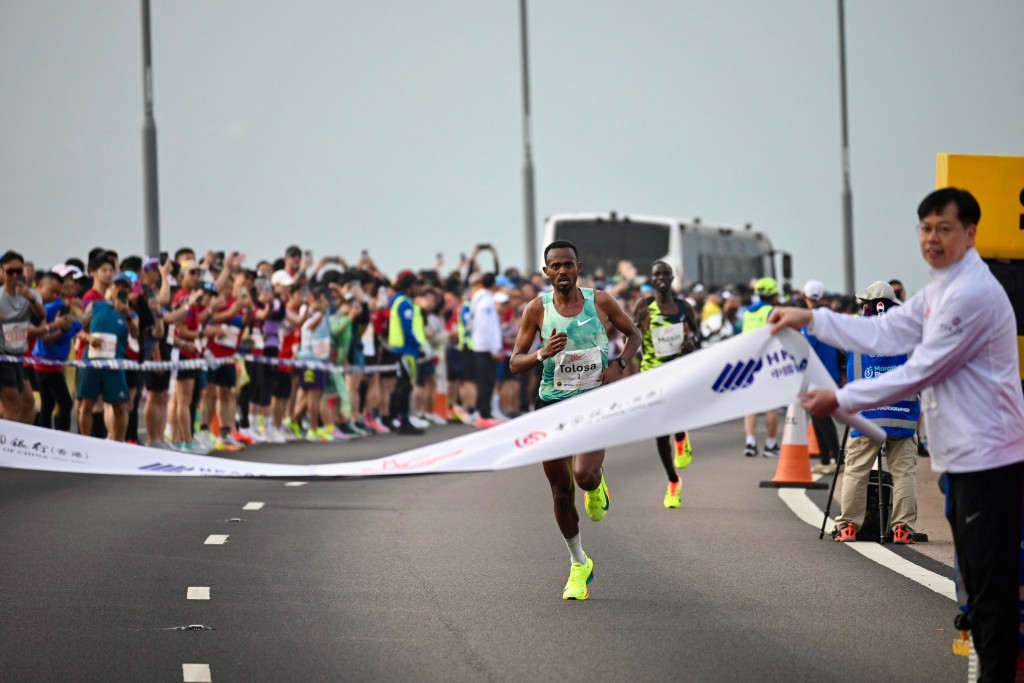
(150, 189)
(848, 274)
(529, 212)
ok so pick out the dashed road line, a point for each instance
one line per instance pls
(253, 505)
(198, 593)
(297, 483)
(196, 673)
(805, 509)
(216, 539)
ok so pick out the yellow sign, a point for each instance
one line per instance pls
(997, 182)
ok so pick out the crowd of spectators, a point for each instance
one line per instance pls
(268, 341)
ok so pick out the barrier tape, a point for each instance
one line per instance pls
(196, 363)
(747, 374)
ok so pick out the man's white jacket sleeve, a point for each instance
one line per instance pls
(955, 334)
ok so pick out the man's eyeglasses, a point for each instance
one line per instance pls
(942, 231)
(14, 271)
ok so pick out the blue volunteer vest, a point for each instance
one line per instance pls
(898, 419)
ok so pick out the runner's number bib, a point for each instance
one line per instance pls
(107, 347)
(228, 337)
(16, 337)
(321, 349)
(668, 341)
(578, 370)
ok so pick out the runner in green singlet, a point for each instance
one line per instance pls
(667, 324)
(573, 324)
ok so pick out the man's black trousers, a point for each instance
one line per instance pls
(985, 515)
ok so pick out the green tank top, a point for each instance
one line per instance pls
(663, 340)
(578, 368)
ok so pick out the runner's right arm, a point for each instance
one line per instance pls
(521, 359)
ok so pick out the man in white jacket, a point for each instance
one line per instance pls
(962, 334)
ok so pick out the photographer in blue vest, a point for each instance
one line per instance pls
(899, 420)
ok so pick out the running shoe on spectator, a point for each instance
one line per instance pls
(409, 429)
(847, 533)
(195, 448)
(244, 436)
(275, 435)
(291, 426)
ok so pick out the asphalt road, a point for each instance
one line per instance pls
(447, 578)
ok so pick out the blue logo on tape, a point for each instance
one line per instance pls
(738, 376)
(170, 469)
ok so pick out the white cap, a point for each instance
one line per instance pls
(878, 290)
(63, 270)
(814, 290)
(281, 277)
(501, 298)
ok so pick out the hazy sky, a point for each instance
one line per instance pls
(395, 125)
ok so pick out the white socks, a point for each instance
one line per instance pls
(575, 546)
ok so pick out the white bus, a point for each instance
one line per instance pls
(714, 255)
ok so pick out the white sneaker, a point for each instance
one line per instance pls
(276, 436)
(436, 419)
(256, 435)
(418, 422)
(205, 439)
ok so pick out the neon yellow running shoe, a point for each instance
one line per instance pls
(684, 453)
(597, 501)
(580, 576)
(672, 495)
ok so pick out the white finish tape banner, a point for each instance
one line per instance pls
(747, 374)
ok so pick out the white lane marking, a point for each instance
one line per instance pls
(296, 483)
(254, 505)
(196, 673)
(806, 510)
(198, 593)
(216, 539)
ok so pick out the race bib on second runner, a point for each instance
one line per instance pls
(16, 337)
(579, 369)
(668, 341)
(107, 347)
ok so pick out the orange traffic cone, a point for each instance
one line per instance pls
(813, 449)
(441, 406)
(441, 392)
(794, 469)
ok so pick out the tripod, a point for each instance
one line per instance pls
(882, 507)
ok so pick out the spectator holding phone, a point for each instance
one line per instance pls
(54, 343)
(109, 322)
(17, 306)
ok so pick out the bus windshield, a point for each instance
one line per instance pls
(603, 243)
